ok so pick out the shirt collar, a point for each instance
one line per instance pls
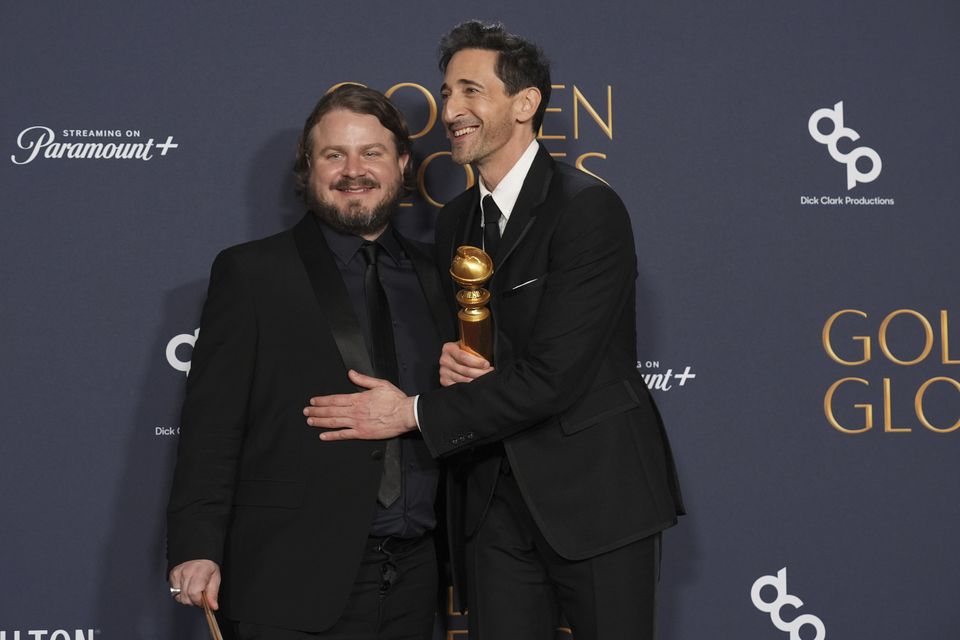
(508, 190)
(345, 245)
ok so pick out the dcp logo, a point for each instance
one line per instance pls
(176, 341)
(774, 607)
(835, 116)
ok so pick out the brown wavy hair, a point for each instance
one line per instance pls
(364, 101)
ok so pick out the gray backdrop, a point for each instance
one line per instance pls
(743, 257)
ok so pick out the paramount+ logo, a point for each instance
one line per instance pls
(855, 159)
(42, 142)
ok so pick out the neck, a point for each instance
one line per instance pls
(494, 168)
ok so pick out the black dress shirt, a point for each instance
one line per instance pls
(418, 350)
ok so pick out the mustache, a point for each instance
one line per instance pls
(364, 182)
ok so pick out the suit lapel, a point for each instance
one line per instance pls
(431, 285)
(331, 294)
(533, 193)
(468, 219)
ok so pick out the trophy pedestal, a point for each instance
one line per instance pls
(471, 269)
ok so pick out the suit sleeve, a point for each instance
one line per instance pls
(213, 418)
(592, 268)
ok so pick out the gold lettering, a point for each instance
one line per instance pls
(594, 154)
(579, 99)
(540, 134)
(887, 411)
(918, 404)
(945, 337)
(431, 103)
(828, 346)
(558, 154)
(828, 408)
(450, 610)
(422, 171)
(928, 330)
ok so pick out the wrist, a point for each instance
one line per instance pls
(409, 413)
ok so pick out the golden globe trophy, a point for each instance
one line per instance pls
(471, 269)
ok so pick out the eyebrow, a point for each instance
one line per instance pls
(366, 147)
(462, 82)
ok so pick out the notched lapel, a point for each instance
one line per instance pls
(467, 218)
(429, 278)
(532, 195)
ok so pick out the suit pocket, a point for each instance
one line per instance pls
(599, 405)
(284, 494)
(529, 284)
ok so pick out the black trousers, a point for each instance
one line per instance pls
(393, 598)
(519, 587)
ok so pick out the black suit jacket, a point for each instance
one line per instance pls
(581, 432)
(285, 514)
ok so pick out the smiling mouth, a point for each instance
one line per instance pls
(355, 186)
(458, 133)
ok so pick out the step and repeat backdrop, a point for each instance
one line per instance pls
(793, 175)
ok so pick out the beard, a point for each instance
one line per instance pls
(355, 218)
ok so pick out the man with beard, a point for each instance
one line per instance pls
(311, 540)
(568, 479)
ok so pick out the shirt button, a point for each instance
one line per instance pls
(376, 454)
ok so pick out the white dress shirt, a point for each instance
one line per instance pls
(505, 195)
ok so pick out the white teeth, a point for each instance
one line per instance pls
(463, 132)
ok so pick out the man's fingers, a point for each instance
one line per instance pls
(213, 591)
(340, 434)
(365, 381)
(192, 578)
(462, 357)
(340, 400)
(449, 378)
(192, 588)
(330, 417)
(174, 578)
(325, 411)
(455, 362)
(459, 373)
(184, 597)
(330, 423)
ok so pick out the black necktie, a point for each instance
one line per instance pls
(384, 363)
(491, 226)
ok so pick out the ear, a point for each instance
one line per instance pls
(526, 103)
(402, 162)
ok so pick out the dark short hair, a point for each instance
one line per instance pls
(520, 63)
(357, 99)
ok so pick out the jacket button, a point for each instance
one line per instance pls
(470, 436)
(376, 454)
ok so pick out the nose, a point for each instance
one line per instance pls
(354, 166)
(452, 109)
